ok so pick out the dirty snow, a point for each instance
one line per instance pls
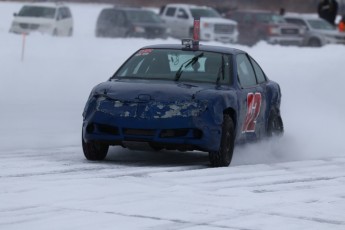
(296, 182)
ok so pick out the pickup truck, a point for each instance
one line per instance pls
(179, 18)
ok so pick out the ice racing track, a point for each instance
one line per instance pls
(167, 190)
(297, 182)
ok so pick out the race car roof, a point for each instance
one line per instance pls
(207, 48)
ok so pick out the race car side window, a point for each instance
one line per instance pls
(245, 71)
(260, 76)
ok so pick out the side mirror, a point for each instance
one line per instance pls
(15, 14)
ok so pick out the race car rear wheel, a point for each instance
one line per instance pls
(94, 151)
(223, 156)
(275, 125)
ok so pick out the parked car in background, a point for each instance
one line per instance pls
(47, 18)
(257, 25)
(130, 22)
(179, 18)
(319, 32)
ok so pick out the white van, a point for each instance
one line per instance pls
(49, 18)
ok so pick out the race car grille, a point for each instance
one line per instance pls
(143, 134)
(171, 133)
(174, 132)
(139, 132)
(100, 128)
(224, 28)
(29, 26)
(289, 31)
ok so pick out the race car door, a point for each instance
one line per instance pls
(252, 101)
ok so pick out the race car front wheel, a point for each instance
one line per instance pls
(223, 156)
(94, 151)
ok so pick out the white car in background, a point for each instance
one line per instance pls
(318, 32)
(213, 27)
(48, 18)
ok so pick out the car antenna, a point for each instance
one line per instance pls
(196, 32)
(193, 43)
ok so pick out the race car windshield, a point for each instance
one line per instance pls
(177, 65)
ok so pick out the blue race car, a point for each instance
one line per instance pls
(182, 97)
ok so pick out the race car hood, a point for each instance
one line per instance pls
(159, 99)
(151, 100)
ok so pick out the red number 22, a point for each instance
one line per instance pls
(253, 110)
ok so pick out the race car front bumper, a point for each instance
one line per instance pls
(182, 125)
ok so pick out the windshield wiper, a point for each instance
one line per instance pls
(221, 71)
(187, 63)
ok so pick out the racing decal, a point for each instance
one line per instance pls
(253, 110)
(143, 52)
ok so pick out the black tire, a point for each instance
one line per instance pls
(314, 42)
(275, 126)
(223, 156)
(94, 151)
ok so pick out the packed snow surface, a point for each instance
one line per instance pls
(296, 182)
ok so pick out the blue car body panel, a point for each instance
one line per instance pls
(175, 114)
